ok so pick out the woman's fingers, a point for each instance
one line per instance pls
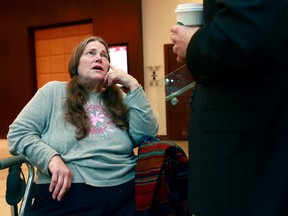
(118, 76)
(64, 184)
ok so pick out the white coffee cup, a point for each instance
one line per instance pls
(189, 14)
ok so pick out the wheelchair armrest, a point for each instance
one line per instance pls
(7, 162)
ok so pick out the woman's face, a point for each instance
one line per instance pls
(93, 64)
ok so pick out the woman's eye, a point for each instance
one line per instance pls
(104, 55)
(91, 52)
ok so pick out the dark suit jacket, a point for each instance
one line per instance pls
(238, 151)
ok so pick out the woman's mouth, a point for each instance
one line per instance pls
(97, 67)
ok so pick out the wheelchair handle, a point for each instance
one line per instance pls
(7, 162)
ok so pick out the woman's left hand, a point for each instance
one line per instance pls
(118, 76)
(61, 177)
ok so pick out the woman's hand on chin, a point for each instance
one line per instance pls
(118, 76)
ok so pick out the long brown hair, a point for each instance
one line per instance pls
(77, 96)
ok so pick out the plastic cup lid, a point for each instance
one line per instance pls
(189, 6)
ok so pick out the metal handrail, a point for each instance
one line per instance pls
(180, 91)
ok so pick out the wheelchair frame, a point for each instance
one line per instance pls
(19, 160)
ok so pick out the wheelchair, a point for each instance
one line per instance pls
(17, 188)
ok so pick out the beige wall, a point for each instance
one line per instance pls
(157, 16)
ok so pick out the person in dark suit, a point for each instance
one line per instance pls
(238, 136)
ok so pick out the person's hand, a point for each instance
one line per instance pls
(180, 37)
(61, 177)
(118, 76)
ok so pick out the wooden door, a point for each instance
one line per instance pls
(177, 116)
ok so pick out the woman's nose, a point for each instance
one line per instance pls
(98, 58)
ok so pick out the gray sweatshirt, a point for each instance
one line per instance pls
(104, 158)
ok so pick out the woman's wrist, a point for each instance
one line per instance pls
(134, 84)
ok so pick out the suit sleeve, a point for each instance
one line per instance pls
(240, 35)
